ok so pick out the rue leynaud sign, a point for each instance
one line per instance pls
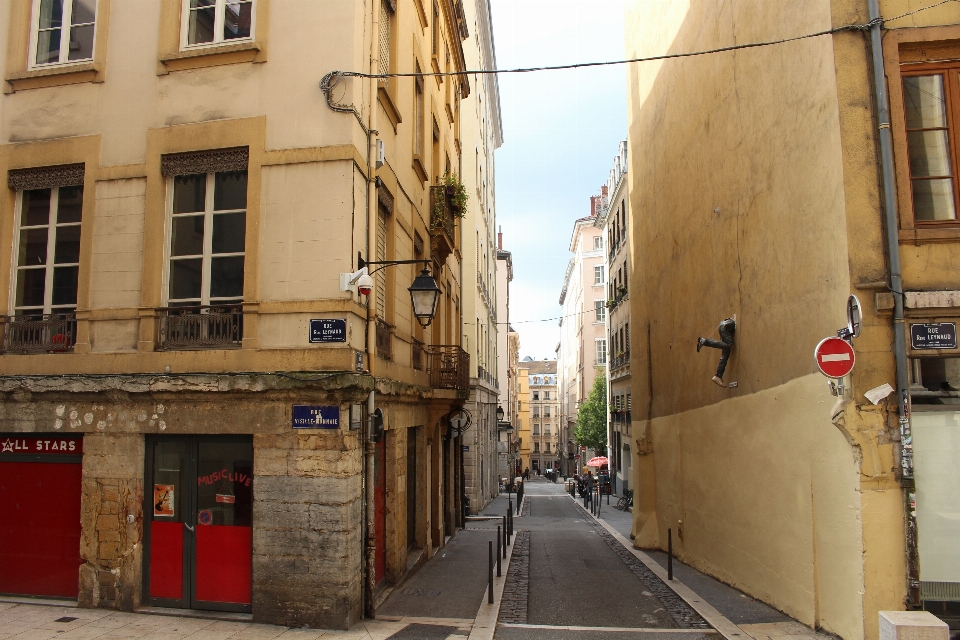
(328, 330)
(315, 417)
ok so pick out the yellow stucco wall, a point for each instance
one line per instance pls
(784, 223)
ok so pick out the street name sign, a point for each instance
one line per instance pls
(315, 417)
(938, 335)
(328, 330)
(835, 357)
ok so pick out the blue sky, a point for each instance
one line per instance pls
(561, 130)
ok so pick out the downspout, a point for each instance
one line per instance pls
(896, 286)
(370, 446)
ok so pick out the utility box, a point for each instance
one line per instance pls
(912, 625)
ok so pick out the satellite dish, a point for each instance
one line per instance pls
(854, 316)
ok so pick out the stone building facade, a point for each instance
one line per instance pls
(546, 452)
(180, 352)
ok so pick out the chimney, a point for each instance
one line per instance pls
(603, 192)
(500, 239)
(594, 203)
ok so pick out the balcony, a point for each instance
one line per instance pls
(200, 327)
(54, 333)
(442, 224)
(449, 367)
(620, 360)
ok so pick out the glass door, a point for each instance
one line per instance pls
(199, 511)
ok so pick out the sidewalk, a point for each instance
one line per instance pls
(757, 619)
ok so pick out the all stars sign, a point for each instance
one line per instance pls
(17, 444)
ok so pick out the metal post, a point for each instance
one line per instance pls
(506, 540)
(669, 554)
(499, 544)
(490, 572)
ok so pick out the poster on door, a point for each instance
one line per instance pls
(163, 500)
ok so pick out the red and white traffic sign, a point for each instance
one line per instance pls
(835, 357)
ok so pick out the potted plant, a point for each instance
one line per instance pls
(455, 194)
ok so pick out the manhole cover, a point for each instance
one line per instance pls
(65, 619)
(423, 632)
(409, 591)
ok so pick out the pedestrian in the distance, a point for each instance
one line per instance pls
(588, 484)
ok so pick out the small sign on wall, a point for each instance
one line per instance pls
(315, 417)
(937, 335)
(328, 330)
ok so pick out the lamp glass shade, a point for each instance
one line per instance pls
(424, 296)
(499, 414)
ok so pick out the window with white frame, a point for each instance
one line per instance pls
(63, 31)
(601, 351)
(48, 251)
(601, 309)
(207, 239)
(598, 274)
(598, 242)
(209, 22)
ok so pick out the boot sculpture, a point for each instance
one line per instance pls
(726, 330)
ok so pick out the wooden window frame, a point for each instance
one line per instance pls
(950, 72)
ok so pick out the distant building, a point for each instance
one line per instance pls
(612, 219)
(544, 415)
(508, 347)
(583, 341)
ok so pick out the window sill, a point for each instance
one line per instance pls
(212, 56)
(54, 76)
(930, 235)
(393, 114)
(418, 167)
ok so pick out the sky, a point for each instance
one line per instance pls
(561, 130)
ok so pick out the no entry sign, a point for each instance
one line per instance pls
(835, 357)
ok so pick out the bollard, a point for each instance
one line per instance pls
(490, 572)
(669, 554)
(599, 501)
(498, 550)
(505, 540)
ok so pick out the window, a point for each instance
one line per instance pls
(418, 116)
(546, 446)
(601, 351)
(932, 175)
(56, 22)
(536, 447)
(207, 237)
(598, 242)
(598, 274)
(546, 395)
(207, 22)
(536, 429)
(385, 29)
(536, 395)
(601, 308)
(546, 412)
(48, 251)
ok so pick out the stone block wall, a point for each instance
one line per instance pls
(110, 545)
(308, 534)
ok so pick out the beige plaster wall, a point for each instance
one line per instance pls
(118, 244)
(765, 487)
(784, 528)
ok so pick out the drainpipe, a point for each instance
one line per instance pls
(896, 287)
(369, 445)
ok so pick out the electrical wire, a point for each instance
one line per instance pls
(669, 56)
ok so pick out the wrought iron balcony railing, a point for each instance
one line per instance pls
(29, 333)
(449, 367)
(200, 327)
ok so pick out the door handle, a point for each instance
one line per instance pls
(189, 527)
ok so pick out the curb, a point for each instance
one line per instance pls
(485, 624)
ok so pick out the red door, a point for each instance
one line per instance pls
(40, 515)
(380, 509)
(199, 538)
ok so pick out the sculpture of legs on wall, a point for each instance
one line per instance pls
(727, 328)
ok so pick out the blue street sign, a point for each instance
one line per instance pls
(314, 417)
(328, 330)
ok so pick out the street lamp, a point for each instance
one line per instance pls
(424, 292)
(424, 296)
(499, 413)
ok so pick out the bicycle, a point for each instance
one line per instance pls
(626, 500)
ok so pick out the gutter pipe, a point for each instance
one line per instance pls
(896, 287)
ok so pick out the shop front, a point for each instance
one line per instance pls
(40, 492)
(198, 501)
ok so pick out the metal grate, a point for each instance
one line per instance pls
(941, 591)
(424, 632)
